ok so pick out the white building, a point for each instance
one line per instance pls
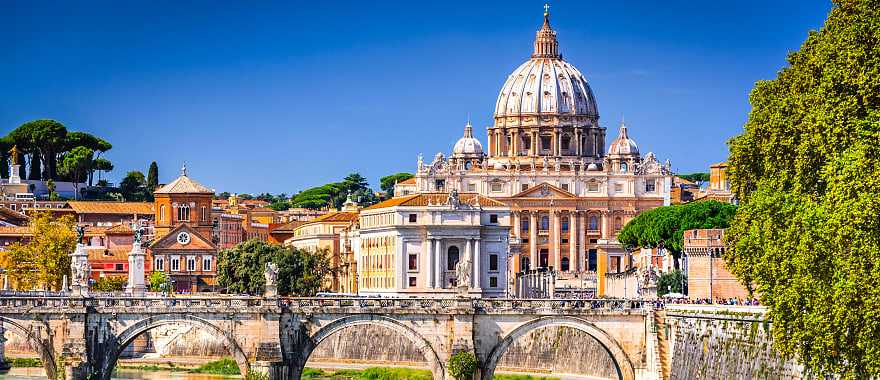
(412, 246)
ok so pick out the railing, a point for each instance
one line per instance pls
(348, 304)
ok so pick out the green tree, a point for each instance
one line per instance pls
(387, 183)
(462, 365)
(6, 144)
(153, 177)
(111, 284)
(45, 259)
(50, 185)
(156, 280)
(240, 269)
(665, 226)
(76, 164)
(49, 138)
(132, 186)
(806, 170)
(695, 177)
(101, 165)
(672, 282)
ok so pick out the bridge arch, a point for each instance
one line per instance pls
(47, 356)
(125, 338)
(622, 364)
(437, 369)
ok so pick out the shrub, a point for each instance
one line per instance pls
(462, 365)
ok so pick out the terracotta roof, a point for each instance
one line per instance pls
(262, 209)
(95, 207)
(114, 254)
(254, 202)
(15, 231)
(341, 216)
(184, 185)
(288, 227)
(119, 229)
(409, 181)
(435, 199)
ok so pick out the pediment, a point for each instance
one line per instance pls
(171, 242)
(544, 190)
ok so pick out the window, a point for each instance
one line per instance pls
(204, 213)
(413, 218)
(493, 218)
(120, 267)
(564, 264)
(618, 223)
(493, 282)
(650, 186)
(566, 142)
(439, 184)
(591, 260)
(618, 187)
(593, 223)
(523, 187)
(413, 262)
(523, 264)
(527, 142)
(565, 223)
(162, 213)
(623, 167)
(190, 264)
(472, 187)
(565, 186)
(183, 212)
(493, 262)
(175, 264)
(412, 281)
(160, 264)
(593, 186)
(206, 264)
(524, 225)
(545, 142)
(545, 222)
(451, 258)
(496, 187)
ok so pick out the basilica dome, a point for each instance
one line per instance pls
(546, 84)
(468, 145)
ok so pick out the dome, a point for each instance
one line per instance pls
(546, 84)
(468, 145)
(623, 144)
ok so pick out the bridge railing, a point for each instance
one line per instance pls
(488, 304)
(164, 303)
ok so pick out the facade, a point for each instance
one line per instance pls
(412, 245)
(322, 234)
(546, 160)
(719, 185)
(184, 246)
(707, 273)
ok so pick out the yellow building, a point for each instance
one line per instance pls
(323, 235)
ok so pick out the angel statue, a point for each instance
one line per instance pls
(463, 273)
(80, 233)
(271, 274)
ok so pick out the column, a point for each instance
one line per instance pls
(400, 255)
(582, 240)
(430, 263)
(517, 226)
(533, 240)
(556, 234)
(605, 216)
(478, 273)
(468, 255)
(438, 265)
(572, 241)
(554, 143)
(534, 151)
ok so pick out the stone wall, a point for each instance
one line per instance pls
(622, 284)
(724, 343)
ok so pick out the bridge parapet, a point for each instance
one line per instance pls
(457, 305)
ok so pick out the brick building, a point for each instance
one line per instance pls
(707, 273)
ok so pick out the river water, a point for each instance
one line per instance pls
(38, 373)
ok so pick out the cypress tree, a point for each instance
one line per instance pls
(153, 177)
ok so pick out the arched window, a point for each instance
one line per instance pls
(623, 167)
(564, 264)
(162, 213)
(618, 223)
(451, 258)
(565, 223)
(594, 223)
(545, 222)
(183, 212)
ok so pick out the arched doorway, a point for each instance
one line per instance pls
(128, 335)
(622, 367)
(421, 344)
(42, 349)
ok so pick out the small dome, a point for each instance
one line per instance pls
(623, 145)
(467, 145)
(593, 167)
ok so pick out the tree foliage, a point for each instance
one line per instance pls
(672, 282)
(77, 164)
(462, 365)
(44, 143)
(45, 259)
(111, 284)
(334, 194)
(240, 269)
(665, 226)
(695, 177)
(807, 172)
(156, 280)
(133, 186)
(387, 183)
(153, 177)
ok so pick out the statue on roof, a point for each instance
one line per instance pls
(271, 274)
(138, 232)
(80, 233)
(14, 153)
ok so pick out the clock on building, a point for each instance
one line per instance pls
(183, 238)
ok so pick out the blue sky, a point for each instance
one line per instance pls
(260, 96)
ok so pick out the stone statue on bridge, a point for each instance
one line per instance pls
(463, 274)
(271, 274)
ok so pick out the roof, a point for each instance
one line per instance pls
(15, 231)
(437, 199)
(97, 207)
(184, 185)
(408, 181)
(287, 227)
(336, 217)
(119, 229)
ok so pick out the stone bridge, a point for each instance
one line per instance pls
(82, 338)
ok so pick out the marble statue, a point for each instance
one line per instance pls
(463, 273)
(81, 273)
(453, 199)
(271, 274)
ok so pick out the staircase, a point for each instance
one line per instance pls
(662, 345)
